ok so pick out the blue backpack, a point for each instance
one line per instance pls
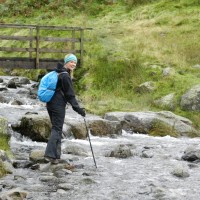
(47, 86)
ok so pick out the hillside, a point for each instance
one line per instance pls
(132, 42)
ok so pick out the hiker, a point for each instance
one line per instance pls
(56, 107)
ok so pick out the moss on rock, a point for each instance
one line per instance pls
(162, 129)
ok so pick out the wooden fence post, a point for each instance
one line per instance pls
(37, 47)
(81, 47)
(31, 42)
(73, 43)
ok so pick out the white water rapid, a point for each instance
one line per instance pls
(149, 174)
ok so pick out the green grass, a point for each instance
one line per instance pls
(4, 142)
(4, 145)
(129, 38)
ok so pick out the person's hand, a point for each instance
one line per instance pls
(80, 111)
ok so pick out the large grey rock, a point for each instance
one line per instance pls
(144, 122)
(103, 127)
(191, 154)
(37, 155)
(120, 151)
(12, 83)
(191, 99)
(16, 193)
(180, 171)
(146, 87)
(76, 128)
(94, 125)
(167, 102)
(74, 149)
(36, 127)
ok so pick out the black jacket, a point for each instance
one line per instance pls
(65, 86)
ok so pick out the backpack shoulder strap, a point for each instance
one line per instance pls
(59, 89)
(62, 73)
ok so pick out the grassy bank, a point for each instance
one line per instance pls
(132, 42)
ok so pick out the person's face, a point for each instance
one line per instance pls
(70, 65)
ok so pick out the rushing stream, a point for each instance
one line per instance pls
(146, 175)
(137, 177)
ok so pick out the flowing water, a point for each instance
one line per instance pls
(147, 175)
(136, 177)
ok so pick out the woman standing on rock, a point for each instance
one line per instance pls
(56, 107)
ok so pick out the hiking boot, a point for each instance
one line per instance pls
(51, 160)
(54, 161)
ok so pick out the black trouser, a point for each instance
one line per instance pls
(56, 111)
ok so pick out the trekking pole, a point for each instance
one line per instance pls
(90, 141)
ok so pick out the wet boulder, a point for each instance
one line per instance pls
(16, 102)
(3, 88)
(76, 128)
(22, 164)
(37, 156)
(3, 99)
(154, 123)
(24, 80)
(12, 83)
(95, 126)
(180, 171)
(74, 149)
(191, 154)
(49, 179)
(103, 127)
(36, 127)
(5, 163)
(17, 82)
(120, 151)
(15, 193)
